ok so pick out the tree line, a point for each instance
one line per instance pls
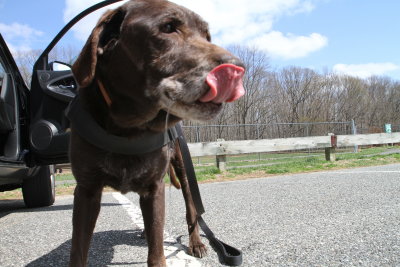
(289, 102)
(293, 101)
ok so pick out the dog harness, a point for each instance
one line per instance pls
(94, 134)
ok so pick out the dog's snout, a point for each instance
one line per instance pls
(228, 58)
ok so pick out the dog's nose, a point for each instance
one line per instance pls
(230, 59)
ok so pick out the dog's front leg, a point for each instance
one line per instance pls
(86, 210)
(196, 247)
(153, 210)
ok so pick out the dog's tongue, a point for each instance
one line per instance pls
(226, 84)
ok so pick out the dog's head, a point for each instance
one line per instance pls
(154, 56)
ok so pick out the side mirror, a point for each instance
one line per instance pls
(59, 66)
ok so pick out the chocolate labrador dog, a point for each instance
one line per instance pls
(146, 66)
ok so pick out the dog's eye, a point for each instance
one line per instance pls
(169, 27)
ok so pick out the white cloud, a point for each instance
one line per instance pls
(365, 70)
(251, 23)
(19, 36)
(290, 46)
(233, 22)
(17, 30)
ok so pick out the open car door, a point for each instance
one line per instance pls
(13, 109)
(53, 87)
(51, 92)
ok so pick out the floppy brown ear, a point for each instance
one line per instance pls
(84, 68)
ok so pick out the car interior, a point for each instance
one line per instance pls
(9, 139)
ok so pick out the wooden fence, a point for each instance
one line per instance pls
(221, 148)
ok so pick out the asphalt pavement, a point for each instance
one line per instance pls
(336, 218)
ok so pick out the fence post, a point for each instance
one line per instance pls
(221, 158)
(221, 162)
(354, 131)
(197, 134)
(330, 151)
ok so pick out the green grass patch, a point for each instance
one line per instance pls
(297, 163)
(207, 174)
(277, 171)
(64, 177)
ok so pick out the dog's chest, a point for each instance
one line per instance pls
(135, 173)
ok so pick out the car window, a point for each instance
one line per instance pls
(69, 47)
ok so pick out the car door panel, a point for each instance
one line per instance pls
(58, 84)
(49, 135)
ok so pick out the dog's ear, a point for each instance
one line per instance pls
(104, 36)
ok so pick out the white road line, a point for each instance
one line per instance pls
(174, 252)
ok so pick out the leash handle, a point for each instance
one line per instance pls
(228, 254)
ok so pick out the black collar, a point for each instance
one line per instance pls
(88, 129)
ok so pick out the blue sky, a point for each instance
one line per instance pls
(357, 37)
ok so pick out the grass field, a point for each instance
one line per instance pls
(283, 163)
(261, 165)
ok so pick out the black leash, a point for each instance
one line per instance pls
(228, 254)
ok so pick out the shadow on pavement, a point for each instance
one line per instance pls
(16, 206)
(101, 252)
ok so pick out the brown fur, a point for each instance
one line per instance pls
(152, 57)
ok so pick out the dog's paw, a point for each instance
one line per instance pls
(197, 249)
(157, 263)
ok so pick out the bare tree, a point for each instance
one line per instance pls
(298, 96)
(252, 108)
(351, 99)
(25, 61)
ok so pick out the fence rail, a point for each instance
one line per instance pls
(220, 149)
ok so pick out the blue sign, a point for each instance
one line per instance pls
(388, 128)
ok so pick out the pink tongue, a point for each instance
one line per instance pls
(226, 84)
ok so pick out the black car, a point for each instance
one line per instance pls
(33, 128)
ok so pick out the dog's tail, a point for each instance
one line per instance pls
(173, 178)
